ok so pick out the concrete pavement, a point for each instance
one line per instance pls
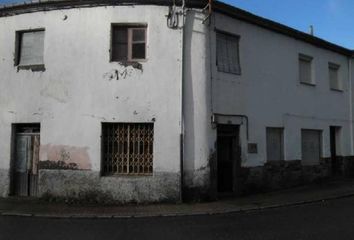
(308, 194)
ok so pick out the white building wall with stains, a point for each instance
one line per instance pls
(267, 93)
(80, 88)
(268, 90)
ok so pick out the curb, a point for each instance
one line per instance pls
(176, 214)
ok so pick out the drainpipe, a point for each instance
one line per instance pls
(350, 104)
(182, 102)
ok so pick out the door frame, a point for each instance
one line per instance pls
(25, 129)
(334, 137)
(234, 132)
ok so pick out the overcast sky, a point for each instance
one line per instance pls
(332, 19)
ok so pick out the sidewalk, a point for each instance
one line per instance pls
(295, 196)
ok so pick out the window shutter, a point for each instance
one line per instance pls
(305, 69)
(227, 53)
(31, 48)
(311, 147)
(275, 151)
(333, 77)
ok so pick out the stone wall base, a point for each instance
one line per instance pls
(348, 166)
(165, 187)
(199, 186)
(277, 175)
(89, 186)
(274, 175)
(4, 182)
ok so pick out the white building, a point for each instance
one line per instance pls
(132, 100)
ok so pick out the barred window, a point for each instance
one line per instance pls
(127, 148)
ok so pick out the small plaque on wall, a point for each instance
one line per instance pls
(252, 148)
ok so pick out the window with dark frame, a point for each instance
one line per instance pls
(29, 48)
(127, 148)
(128, 43)
(227, 53)
(334, 80)
(305, 70)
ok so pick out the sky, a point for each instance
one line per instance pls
(333, 20)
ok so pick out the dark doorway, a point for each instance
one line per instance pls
(335, 159)
(25, 159)
(228, 158)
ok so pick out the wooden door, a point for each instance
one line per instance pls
(26, 164)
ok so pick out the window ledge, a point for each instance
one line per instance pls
(308, 84)
(233, 73)
(127, 175)
(134, 64)
(337, 90)
(33, 68)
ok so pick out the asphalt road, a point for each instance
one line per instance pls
(326, 220)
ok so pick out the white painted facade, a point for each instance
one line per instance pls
(269, 92)
(76, 93)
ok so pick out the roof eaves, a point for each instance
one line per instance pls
(277, 27)
(46, 5)
(218, 6)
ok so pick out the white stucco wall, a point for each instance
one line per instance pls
(199, 137)
(74, 94)
(269, 93)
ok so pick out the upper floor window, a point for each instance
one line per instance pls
(128, 43)
(305, 70)
(227, 53)
(334, 80)
(29, 48)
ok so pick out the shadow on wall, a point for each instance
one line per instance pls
(64, 157)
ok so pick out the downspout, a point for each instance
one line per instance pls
(211, 59)
(350, 104)
(182, 103)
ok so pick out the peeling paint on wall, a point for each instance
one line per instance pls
(68, 97)
(64, 157)
(123, 71)
(57, 165)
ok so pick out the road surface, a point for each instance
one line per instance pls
(327, 220)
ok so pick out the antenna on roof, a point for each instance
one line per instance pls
(311, 30)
